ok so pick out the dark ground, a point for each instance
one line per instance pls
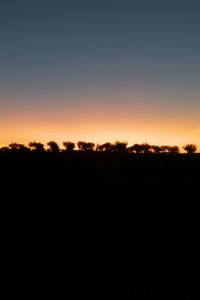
(100, 226)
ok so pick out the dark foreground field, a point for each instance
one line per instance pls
(100, 226)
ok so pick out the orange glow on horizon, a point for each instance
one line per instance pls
(131, 131)
(101, 121)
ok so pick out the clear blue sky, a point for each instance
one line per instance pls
(99, 70)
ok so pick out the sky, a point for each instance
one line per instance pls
(100, 70)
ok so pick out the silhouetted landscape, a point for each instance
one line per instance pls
(109, 221)
(99, 149)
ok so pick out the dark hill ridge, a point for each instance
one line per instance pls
(101, 225)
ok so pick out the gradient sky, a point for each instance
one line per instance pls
(100, 70)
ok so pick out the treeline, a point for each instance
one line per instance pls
(118, 146)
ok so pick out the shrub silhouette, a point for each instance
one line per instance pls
(69, 147)
(84, 146)
(38, 147)
(53, 147)
(190, 148)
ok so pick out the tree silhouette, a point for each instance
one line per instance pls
(84, 146)
(98, 147)
(174, 149)
(107, 147)
(137, 148)
(53, 147)
(38, 147)
(4, 149)
(69, 147)
(146, 148)
(167, 149)
(130, 149)
(156, 149)
(120, 146)
(190, 148)
(141, 148)
(18, 147)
